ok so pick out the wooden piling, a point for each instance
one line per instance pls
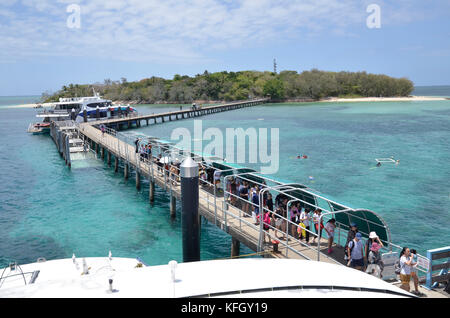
(235, 247)
(151, 191)
(138, 180)
(126, 170)
(173, 207)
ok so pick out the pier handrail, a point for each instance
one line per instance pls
(288, 222)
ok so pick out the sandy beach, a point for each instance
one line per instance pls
(384, 99)
(329, 100)
(21, 106)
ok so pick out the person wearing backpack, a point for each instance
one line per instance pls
(373, 237)
(356, 252)
(374, 263)
(350, 236)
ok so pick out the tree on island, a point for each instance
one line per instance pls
(230, 86)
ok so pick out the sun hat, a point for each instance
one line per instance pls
(358, 235)
(375, 247)
(373, 235)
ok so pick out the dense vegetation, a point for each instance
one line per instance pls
(228, 86)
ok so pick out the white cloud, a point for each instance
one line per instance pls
(168, 31)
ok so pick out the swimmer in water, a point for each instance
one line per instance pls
(397, 162)
(379, 164)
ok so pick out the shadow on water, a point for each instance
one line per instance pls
(28, 249)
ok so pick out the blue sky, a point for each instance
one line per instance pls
(137, 39)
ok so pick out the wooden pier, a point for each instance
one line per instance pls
(131, 119)
(213, 208)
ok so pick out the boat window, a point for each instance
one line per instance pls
(94, 105)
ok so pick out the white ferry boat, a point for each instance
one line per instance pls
(108, 277)
(76, 108)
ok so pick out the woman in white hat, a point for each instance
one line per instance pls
(373, 237)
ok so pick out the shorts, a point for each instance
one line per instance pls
(278, 222)
(405, 279)
(357, 262)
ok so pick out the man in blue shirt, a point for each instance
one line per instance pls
(356, 252)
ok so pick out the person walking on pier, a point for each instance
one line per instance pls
(243, 193)
(356, 252)
(305, 219)
(414, 273)
(255, 201)
(350, 236)
(318, 228)
(330, 227)
(406, 262)
(374, 263)
(136, 142)
(103, 129)
(373, 237)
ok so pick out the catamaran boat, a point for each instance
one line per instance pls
(76, 108)
(108, 277)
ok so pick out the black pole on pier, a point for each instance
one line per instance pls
(189, 210)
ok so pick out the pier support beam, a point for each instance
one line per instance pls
(138, 180)
(189, 210)
(151, 191)
(108, 158)
(173, 207)
(235, 247)
(102, 152)
(126, 170)
(116, 164)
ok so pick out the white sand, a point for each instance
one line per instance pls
(21, 106)
(384, 99)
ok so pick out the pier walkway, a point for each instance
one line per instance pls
(127, 121)
(212, 207)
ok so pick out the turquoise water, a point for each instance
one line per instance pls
(342, 141)
(49, 211)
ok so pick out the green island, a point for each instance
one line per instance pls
(231, 86)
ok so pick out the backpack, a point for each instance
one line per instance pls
(348, 248)
(447, 288)
(397, 267)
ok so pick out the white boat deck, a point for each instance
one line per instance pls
(220, 278)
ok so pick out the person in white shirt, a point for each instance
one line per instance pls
(405, 264)
(318, 228)
(305, 218)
